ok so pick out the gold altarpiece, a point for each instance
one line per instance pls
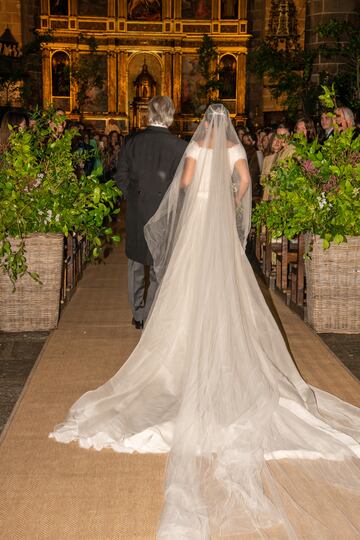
(163, 36)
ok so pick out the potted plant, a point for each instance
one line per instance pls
(43, 199)
(317, 192)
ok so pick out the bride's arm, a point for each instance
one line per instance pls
(242, 168)
(188, 172)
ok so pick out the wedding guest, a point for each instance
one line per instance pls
(282, 144)
(110, 154)
(280, 150)
(11, 119)
(85, 164)
(146, 167)
(253, 163)
(112, 126)
(327, 125)
(58, 126)
(345, 119)
(307, 127)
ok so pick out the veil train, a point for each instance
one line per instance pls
(253, 449)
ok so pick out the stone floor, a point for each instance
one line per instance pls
(18, 353)
(347, 348)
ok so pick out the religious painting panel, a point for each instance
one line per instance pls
(227, 77)
(144, 10)
(136, 67)
(196, 9)
(60, 74)
(96, 97)
(229, 9)
(62, 103)
(193, 94)
(59, 7)
(89, 8)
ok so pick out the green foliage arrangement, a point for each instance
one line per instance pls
(40, 193)
(87, 72)
(289, 71)
(343, 43)
(289, 76)
(209, 69)
(317, 190)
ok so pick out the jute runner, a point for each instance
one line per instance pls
(53, 491)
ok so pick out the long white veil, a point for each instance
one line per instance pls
(252, 448)
(214, 188)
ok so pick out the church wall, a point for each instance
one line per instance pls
(321, 12)
(21, 17)
(10, 15)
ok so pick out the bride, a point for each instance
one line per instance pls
(252, 448)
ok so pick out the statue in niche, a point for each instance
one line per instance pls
(145, 84)
(228, 77)
(59, 7)
(144, 10)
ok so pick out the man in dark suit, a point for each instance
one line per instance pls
(146, 166)
(327, 124)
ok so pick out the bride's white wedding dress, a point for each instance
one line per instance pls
(212, 382)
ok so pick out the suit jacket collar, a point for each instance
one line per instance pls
(157, 129)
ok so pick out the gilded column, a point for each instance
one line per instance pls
(167, 74)
(111, 8)
(123, 106)
(73, 7)
(112, 81)
(241, 84)
(44, 6)
(74, 56)
(122, 8)
(46, 77)
(177, 80)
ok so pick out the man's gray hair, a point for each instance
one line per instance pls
(161, 110)
(348, 115)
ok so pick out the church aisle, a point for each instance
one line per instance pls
(53, 491)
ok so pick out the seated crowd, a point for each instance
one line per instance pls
(264, 147)
(102, 147)
(267, 146)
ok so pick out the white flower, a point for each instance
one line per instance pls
(49, 213)
(57, 217)
(322, 200)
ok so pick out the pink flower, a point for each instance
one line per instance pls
(309, 167)
(330, 184)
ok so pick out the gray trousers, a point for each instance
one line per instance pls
(142, 286)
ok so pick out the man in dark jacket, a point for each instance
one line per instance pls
(146, 166)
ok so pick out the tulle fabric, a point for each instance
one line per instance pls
(252, 448)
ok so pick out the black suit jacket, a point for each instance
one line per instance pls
(146, 166)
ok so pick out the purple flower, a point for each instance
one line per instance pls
(330, 184)
(309, 167)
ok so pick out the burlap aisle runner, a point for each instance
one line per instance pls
(53, 491)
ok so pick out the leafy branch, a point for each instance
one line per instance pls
(86, 72)
(209, 69)
(40, 193)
